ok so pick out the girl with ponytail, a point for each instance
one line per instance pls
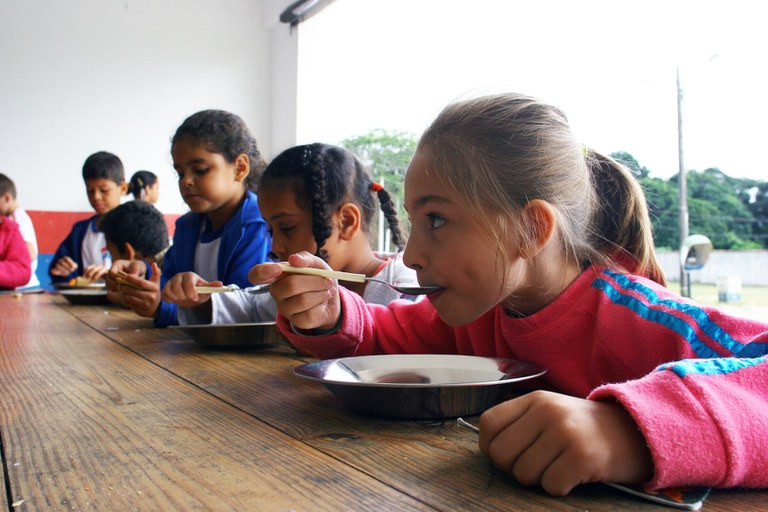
(544, 253)
(321, 200)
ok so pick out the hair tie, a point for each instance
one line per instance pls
(584, 150)
(140, 182)
(376, 187)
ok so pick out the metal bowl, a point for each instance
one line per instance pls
(256, 335)
(85, 296)
(420, 386)
(96, 285)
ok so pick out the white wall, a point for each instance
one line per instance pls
(78, 76)
(750, 266)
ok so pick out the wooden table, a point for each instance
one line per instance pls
(101, 411)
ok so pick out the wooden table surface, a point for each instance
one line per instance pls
(101, 411)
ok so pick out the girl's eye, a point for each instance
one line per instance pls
(435, 220)
(286, 229)
(200, 172)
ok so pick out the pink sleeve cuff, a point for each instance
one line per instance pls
(685, 443)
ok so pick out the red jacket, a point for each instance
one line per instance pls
(15, 265)
(693, 378)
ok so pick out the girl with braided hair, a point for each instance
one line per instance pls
(316, 198)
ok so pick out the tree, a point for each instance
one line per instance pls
(631, 163)
(387, 154)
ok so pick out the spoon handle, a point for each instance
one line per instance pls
(214, 289)
(333, 274)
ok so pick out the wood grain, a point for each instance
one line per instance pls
(86, 423)
(436, 462)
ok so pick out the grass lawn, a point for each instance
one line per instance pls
(753, 303)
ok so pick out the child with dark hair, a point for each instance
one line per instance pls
(135, 230)
(9, 207)
(316, 198)
(84, 251)
(224, 235)
(145, 186)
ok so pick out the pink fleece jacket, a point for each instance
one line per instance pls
(694, 379)
(15, 264)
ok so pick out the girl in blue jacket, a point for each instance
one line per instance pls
(224, 234)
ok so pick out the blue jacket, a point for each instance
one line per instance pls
(245, 242)
(72, 246)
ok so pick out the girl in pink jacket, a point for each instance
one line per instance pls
(544, 253)
(15, 265)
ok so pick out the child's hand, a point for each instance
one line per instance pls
(95, 272)
(133, 267)
(141, 295)
(64, 267)
(558, 442)
(308, 302)
(180, 289)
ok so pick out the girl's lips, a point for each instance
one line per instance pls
(436, 294)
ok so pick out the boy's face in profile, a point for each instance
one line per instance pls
(104, 194)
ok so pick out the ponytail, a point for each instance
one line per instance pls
(621, 225)
(390, 213)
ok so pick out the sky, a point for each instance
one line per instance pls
(610, 65)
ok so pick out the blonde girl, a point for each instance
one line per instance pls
(540, 261)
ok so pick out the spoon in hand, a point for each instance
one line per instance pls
(359, 278)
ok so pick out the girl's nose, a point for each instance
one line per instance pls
(411, 256)
(186, 180)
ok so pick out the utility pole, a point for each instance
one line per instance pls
(682, 186)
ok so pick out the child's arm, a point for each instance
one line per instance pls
(15, 265)
(308, 302)
(705, 420)
(142, 295)
(559, 441)
(180, 290)
(64, 265)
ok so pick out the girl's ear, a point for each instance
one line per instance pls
(349, 221)
(242, 167)
(539, 218)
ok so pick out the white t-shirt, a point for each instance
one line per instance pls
(94, 248)
(207, 259)
(237, 307)
(28, 234)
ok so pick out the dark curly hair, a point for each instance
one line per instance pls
(138, 223)
(225, 133)
(324, 177)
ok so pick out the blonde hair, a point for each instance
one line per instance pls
(497, 153)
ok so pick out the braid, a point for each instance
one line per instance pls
(388, 207)
(321, 223)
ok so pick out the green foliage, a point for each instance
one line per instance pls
(387, 154)
(732, 212)
(631, 163)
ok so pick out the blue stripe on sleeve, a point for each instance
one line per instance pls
(721, 366)
(707, 326)
(664, 318)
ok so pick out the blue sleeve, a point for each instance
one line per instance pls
(167, 314)
(71, 246)
(253, 248)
